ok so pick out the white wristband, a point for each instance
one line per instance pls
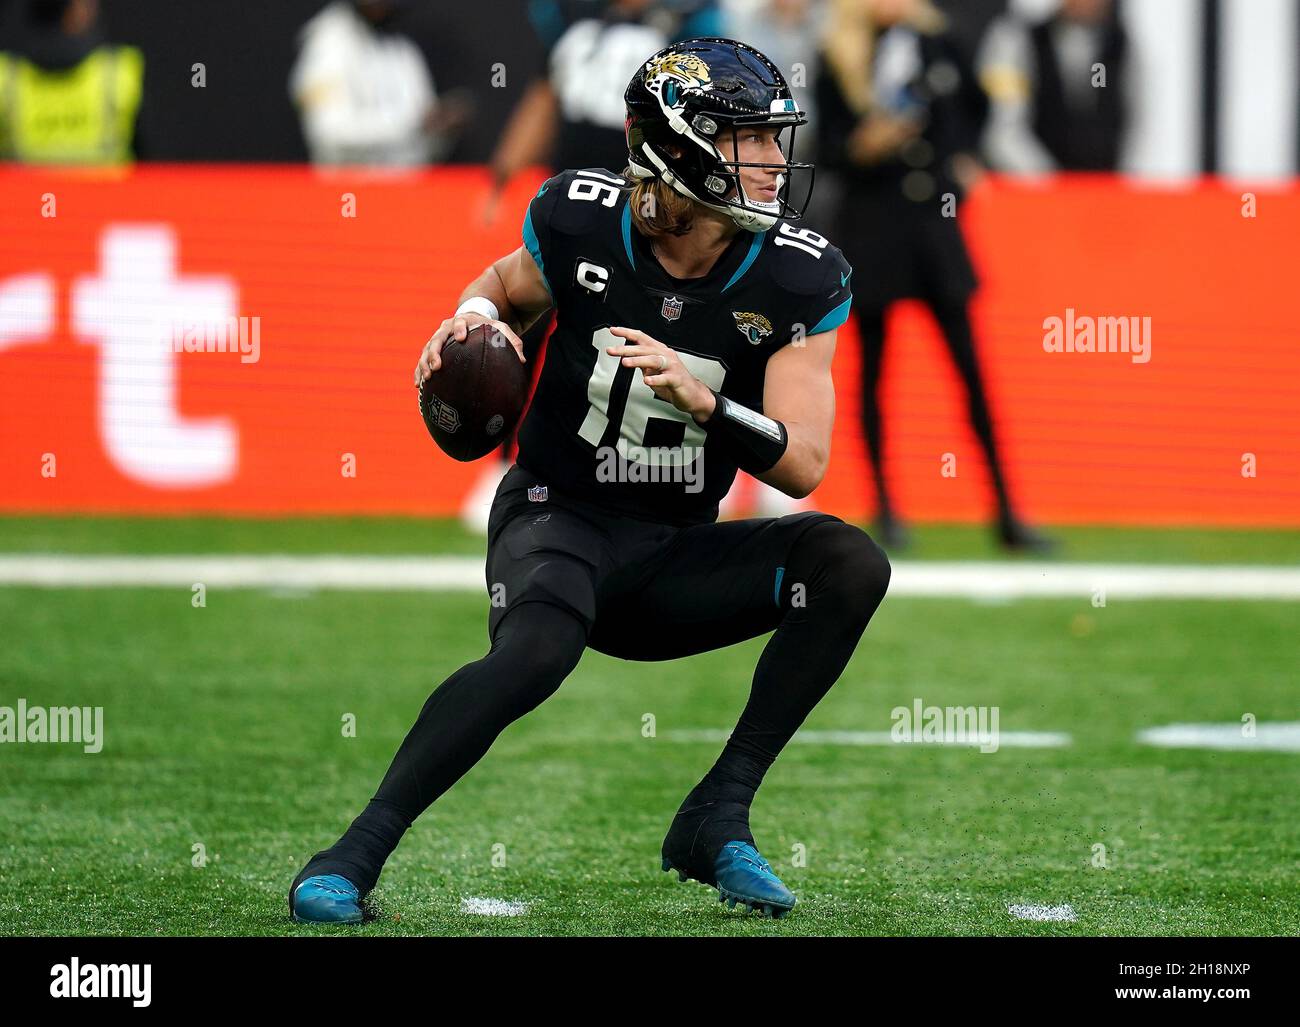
(479, 305)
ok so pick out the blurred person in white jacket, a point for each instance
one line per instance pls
(364, 91)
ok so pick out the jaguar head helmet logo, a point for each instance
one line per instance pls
(672, 72)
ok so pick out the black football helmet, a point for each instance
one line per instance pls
(697, 94)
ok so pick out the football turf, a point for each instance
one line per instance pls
(224, 728)
(404, 535)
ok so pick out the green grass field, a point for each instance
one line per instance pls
(223, 729)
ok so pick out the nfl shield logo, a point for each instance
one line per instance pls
(672, 308)
(537, 494)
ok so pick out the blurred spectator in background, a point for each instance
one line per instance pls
(789, 32)
(1052, 109)
(572, 115)
(66, 95)
(365, 93)
(900, 116)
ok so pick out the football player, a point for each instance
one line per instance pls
(694, 336)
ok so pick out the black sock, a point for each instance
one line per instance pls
(367, 843)
(714, 814)
(738, 772)
(721, 801)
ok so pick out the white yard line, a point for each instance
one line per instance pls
(987, 581)
(1044, 914)
(1007, 739)
(492, 907)
(1267, 737)
(1279, 737)
(1119, 581)
(376, 573)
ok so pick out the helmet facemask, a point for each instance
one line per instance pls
(680, 108)
(726, 143)
(709, 169)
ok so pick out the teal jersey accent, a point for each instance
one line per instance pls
(627, 231)
(534, 247)
(750, 257)
(833, 319)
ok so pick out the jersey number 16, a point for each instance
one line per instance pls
(642, 405)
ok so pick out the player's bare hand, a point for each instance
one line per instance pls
(455, 329)
(662, 369)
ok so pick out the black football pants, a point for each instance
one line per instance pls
(564, 578)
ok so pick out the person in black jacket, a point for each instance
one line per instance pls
(1060, 89)
(901, 114)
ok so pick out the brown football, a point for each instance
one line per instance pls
(472, 403)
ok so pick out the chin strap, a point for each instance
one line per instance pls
(746, 217)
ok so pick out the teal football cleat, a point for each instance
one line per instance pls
(742, 876)
(746, 877)
(326, 899)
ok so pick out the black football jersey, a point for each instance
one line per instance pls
(595, 431)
